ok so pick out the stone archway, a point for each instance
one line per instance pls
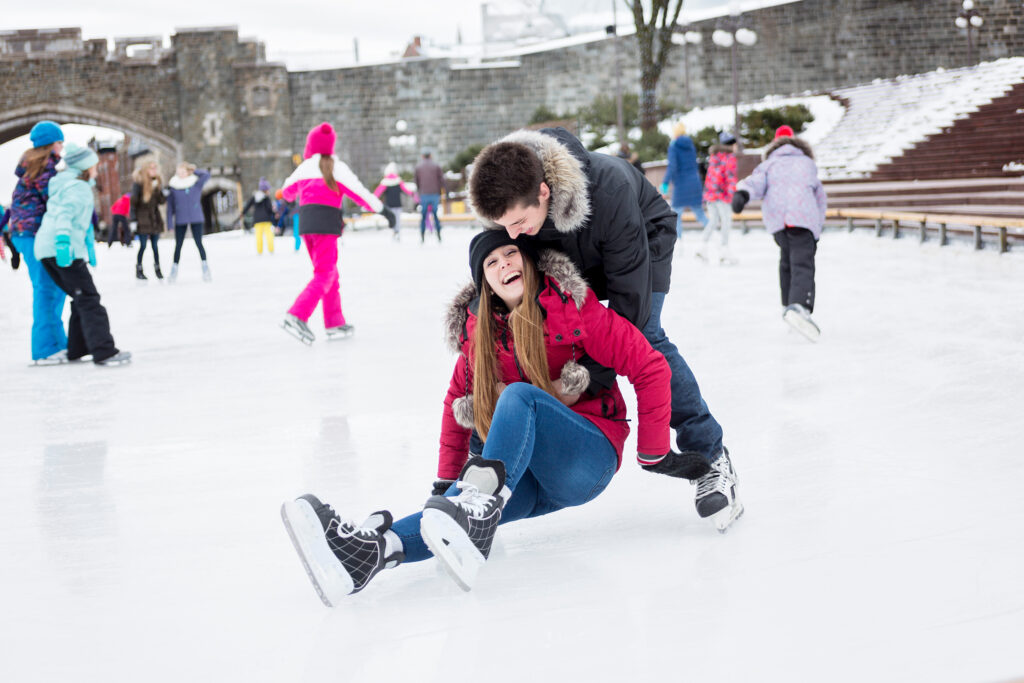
(222, 202)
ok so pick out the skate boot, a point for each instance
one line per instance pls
(460, 530)
(298, 329)
(206, 272)
(701, 254)
(716, 494)
(340, 558)
(156, 269)
(119, 358)
(799, 318)
(340, 332)
(139, 275)
(173, 277)
(57, 358)
(725, 258)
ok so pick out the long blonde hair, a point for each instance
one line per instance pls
(526, 322)
(35, 159)
(142, 177)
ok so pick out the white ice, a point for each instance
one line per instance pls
(881, 471)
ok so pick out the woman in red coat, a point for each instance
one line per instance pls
(519, 329)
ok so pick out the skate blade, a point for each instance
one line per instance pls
(298, 335)
(335, 336)
(802, 325)
(724, 518)
(43, 363)
(307, 536)
(453, 549)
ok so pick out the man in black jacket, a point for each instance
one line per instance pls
(620, 233)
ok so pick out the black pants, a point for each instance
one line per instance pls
(796, 266)
(89, 327)
(119, 231)
(179, 239)
(142, 247)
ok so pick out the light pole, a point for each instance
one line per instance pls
(613, 32)
(969, 18)
(400, 143)
(690, 37)
(731, 31)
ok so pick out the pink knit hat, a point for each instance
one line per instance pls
(320, 140)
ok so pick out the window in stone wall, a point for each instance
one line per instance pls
(261, 97)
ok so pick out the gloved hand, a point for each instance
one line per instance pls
(90, 247)
(687, 465)
(739, 200)
(389, 214)
(63, 251)
(664, 188)
(134, 227)
(441, 486)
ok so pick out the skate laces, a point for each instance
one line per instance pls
(472, 498)
(717, 480)
(349, 529)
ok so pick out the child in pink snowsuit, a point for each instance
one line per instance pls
(321, 182)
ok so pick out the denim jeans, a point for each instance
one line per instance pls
(697, 211)
(142, 248)
(696, 429)
(429, 202)
(553, 459)
(48, 336)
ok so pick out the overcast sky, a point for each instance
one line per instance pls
(298, 31)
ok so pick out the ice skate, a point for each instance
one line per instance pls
(339, 557)
(716, 494)
(460, 530)
(340, 331)
(119, 358)
(701, 255)
(298, 329)
(725, 258)
(207, 277)
(173, 277)
(58, 358)
(800, 320)
(156, 269)
(139, 275)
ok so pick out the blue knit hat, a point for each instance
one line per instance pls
(263, 185)
(79, 158)
(726, 138)
(45, 133)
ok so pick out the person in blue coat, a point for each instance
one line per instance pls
(682, 173)
(63, 244)
(185, 211)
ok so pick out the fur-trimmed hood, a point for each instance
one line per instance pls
(178, 183)
(778, 143)
(565, 172)
(551, 263)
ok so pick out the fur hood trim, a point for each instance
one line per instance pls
(801, 145)
(565, 176)
(390, 180)
(178, 183)
(552, 263)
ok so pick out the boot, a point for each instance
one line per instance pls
(716, 494)
(340, 557)
(156, 269)
(460, 530)
(174, 273)
(139, 275)
(206, 272)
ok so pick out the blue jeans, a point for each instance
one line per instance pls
(429, 202)
(696, 429)
(698, 211)
(553, 459)
(48, 336)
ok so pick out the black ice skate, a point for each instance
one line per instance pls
(716, 494)
(298, 329)
(800, 320)
(460, 530)
(340, 558)
(340, 332)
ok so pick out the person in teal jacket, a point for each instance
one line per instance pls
(63, 244)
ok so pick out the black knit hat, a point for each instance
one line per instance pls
(486, 242)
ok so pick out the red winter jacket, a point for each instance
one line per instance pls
(122, 206)
(720, 181)
(576, 323)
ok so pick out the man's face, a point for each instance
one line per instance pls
(523, 219)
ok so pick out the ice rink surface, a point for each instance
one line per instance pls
(882, 472)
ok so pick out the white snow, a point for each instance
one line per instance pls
(880, 468)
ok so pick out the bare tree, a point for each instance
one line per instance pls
(654, 38)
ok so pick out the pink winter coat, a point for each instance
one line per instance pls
(720, 181)
(307, 183)
(576, 323)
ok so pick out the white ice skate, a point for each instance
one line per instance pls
(725, 258)
(298, 329)
(800, 320)
(119, 358)
(340, 332)
(58, 358)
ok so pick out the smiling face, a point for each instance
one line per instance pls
(503, 270)
(523, 219)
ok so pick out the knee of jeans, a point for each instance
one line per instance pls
(518, 391)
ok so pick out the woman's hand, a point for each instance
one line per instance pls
(567, 399)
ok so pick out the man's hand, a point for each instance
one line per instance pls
(687, 465)
(441, 486)
(567, 399)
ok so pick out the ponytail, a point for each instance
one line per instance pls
(327, 171)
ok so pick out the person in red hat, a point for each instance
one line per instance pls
(321, 183)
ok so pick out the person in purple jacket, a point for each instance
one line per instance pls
(793, 209)
(185, 211)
